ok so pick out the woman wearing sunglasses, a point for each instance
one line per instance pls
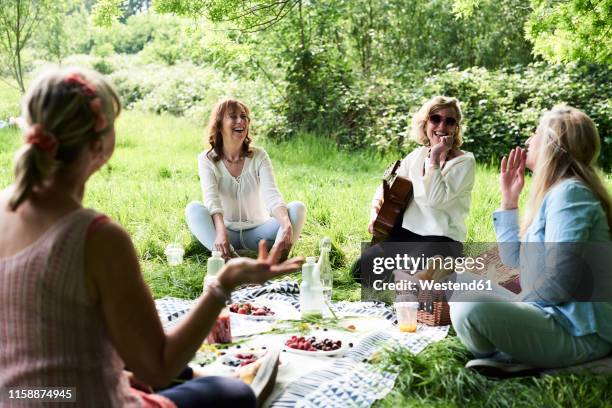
(442, 176)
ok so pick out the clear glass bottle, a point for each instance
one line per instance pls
(213, 266)
(311, 291)
(324, 269)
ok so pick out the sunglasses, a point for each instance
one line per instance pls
(437, 119)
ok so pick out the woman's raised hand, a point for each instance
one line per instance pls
(440, 150)
(512, 177)
(239, 271)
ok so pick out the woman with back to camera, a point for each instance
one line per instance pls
(442, 177)
(74, 308)
(239, 190)
(558, 319)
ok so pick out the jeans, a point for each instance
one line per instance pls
(222, 392)
(202, 227)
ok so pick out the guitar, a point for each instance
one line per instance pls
(397, 194)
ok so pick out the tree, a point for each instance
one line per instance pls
(572, 30)
(53, 38)
(18, 21)
(563, 30)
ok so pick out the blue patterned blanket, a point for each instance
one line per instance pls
(350, 381)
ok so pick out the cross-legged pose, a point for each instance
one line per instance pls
(74, 308)
(442, 176)
(239, 190)
(563, 316)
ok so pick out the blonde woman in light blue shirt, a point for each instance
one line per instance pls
(563, 315)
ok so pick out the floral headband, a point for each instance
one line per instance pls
(95, 103)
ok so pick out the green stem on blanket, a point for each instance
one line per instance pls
(331, 310)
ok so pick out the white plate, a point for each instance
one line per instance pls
(319, 353)
(268, 318)
(225, 359)
(282, 310)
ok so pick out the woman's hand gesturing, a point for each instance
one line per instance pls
(512, 177)
(238, 271)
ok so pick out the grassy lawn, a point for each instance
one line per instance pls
(153, 175)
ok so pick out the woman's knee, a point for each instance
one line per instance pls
(222, 392)
(195, 209)
(234, 393)
(297, 210)
(466, 314)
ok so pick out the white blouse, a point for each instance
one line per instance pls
(441, 197)
(245, 201)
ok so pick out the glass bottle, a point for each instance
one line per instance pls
(213, 266)
(311, 291)
(324, 269)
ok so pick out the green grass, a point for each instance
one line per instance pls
(153, 175)
(436, 377)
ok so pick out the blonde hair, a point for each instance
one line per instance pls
(62, 109)
(213, 132)
(569, 150)
(419, 120)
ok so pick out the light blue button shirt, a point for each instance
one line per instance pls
(570, 214)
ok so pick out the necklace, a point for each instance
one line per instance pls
(235, 161)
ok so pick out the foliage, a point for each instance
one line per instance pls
(253, 15)
(51, 37)
(501, 108)
(105, 12)
(562, 30)
(18, 22)
(572, 30)
(181, 90)
(132, 36)
(396, 39)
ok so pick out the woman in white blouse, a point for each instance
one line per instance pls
(442, 176)
(240, 194)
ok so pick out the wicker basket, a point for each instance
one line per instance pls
(433, 308)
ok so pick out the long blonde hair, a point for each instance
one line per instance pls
(420, 118)
(63, 106)
(569, 149)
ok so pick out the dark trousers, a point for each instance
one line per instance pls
(222, 392)
(414, 245)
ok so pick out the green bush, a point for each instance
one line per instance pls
(187, 90)
(319, 97)
(501, 108)
(131, 38)
(103, 66)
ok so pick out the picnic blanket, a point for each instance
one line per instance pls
(346, 381)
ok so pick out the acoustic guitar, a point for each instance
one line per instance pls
(397, 194)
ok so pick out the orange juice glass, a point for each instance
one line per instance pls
(406, 316)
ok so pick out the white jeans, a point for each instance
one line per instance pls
(202, 226)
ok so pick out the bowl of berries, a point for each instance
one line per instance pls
(316, 346)
(252, 311)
